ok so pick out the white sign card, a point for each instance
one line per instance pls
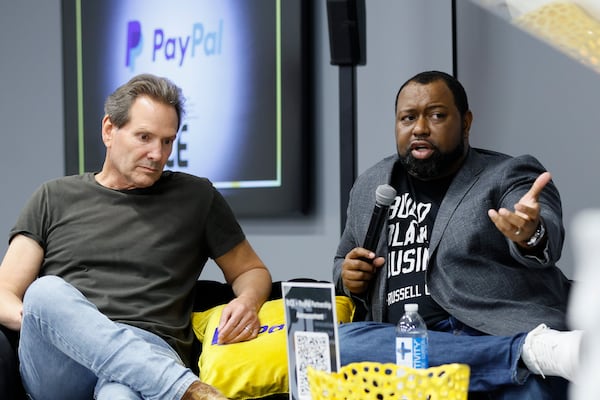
(312, 340)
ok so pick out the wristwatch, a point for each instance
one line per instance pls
(537, 236)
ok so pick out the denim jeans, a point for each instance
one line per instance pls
(495, 374)
(69, 350)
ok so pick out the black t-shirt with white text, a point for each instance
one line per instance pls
(410, 223)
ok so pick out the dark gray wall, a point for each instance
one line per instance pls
(31, 111)
(526, 98)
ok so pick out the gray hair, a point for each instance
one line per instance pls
(161, 89)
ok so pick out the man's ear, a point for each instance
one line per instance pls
(467, 120)
(107, 130)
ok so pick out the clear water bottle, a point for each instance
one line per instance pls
(411, 339)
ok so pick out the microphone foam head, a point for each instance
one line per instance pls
(385, 195)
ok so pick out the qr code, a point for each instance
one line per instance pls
(312, 349)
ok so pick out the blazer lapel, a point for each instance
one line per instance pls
(464, 180)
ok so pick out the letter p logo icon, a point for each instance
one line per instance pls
(134, 40)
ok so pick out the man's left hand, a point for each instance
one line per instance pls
(239, 321)
(521, 224)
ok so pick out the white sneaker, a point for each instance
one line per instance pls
(553, 353)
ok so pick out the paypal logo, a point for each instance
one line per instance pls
(166, 47)
(134, 43)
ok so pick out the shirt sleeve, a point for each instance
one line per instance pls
(33, 220)
(223, 232)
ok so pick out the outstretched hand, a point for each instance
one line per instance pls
(521, 224)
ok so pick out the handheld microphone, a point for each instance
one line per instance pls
(384, 196)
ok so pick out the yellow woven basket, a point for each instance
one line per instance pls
(375, 381)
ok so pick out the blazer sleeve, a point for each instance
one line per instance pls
(519, 176)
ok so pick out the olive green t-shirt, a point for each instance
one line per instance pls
(136, 254)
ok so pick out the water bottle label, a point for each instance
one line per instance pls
(412, 352)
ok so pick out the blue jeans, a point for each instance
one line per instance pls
(69, 350)
(496, 372)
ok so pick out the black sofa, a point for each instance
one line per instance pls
(10, 383)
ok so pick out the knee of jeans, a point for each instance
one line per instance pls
(42, 290)
(113, 390)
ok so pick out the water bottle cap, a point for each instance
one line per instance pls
(411, 307)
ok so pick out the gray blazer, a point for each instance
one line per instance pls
(475, 273)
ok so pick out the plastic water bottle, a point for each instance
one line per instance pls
(411, 339)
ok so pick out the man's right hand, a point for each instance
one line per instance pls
(358, 269)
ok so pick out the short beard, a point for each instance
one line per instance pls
(436, 166)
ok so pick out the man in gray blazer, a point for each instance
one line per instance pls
(472, 236)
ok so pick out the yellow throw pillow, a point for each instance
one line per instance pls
(256, 368)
